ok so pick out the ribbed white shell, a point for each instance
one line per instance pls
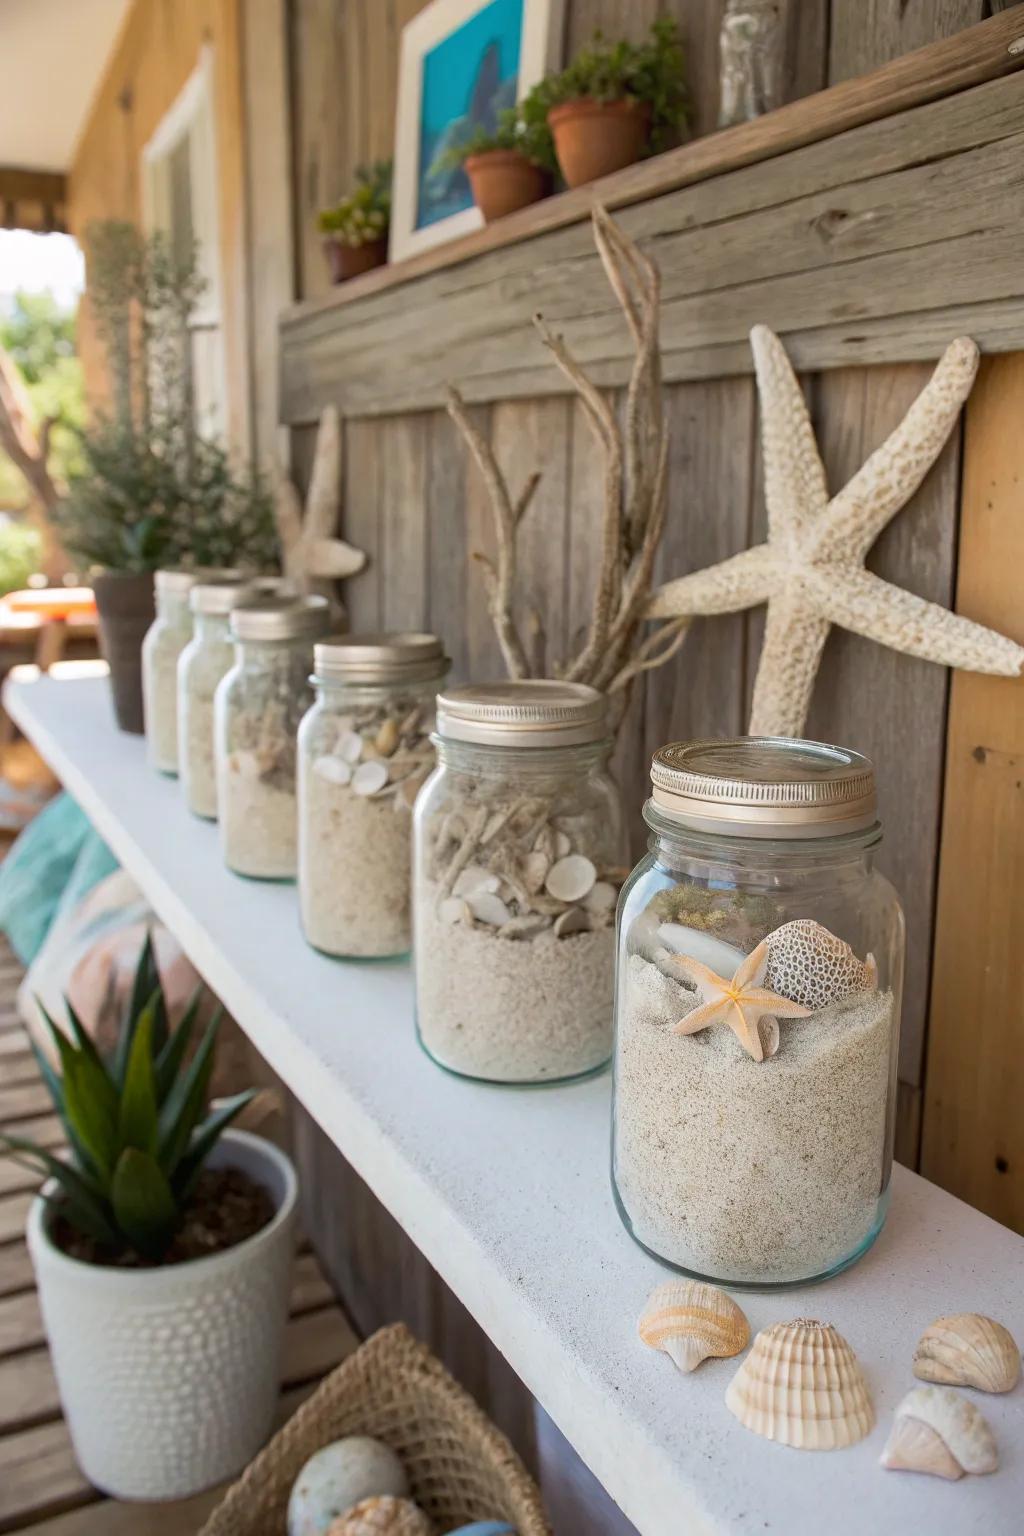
(801, 1385)
(954, 1420)
(968, 1350)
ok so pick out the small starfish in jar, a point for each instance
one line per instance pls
(741, 1002)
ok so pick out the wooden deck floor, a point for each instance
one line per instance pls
(41, 1487)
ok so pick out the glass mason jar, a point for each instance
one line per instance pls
(364, 752)
(517, 849)
(205, 660)
(164, 642)
(257, 709)
(760, 965)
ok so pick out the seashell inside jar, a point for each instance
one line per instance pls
(364, 753)
(517, 874)
(760, 963)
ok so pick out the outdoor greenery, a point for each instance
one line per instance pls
(134, 1122)
(523, 127)
(39, 337)
(650, 72)
(21, 550)
(151, 491)
(364, 215)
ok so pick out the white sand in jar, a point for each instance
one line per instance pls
(160, 700)
(512, 1010)
(745, 1170)
(258, 822)
(198, 764)
(355, 853)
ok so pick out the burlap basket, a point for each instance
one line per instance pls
(460, 1467)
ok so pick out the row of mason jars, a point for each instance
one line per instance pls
(480, 826)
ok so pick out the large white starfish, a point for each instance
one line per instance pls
(810, 571)
(312, 558)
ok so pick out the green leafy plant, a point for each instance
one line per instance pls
(150, 489)
(363, 215)
(650, 72)
(136, 1123)
(522, 128)
(21, 550)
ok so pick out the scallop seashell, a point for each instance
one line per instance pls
(488, 908)
(571, 878)
(692, 1321)
(369, 778)
(572, 920)
(811, 966)
(601, 897)
(801, 1385)
(350, 746)
(475, 878)
(386, 739)
(968, 1350)
(334, 769)
(382, 1516)
(938, 1431)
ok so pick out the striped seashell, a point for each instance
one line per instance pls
(801, 1385)
(382, 1516)
(692, 1321)
(938, 1431)
(968, 1350)
(810, 965)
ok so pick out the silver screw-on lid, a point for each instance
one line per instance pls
(765, 786)
(221, 593)
(539, 712)
(404, 657)
(280, 618)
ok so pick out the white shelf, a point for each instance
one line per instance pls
(507, 1194)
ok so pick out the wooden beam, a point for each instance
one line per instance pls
(973, 1133)
(35, 200)
(875, 246)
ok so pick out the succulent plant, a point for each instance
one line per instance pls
(134, 1120)
(363, 215)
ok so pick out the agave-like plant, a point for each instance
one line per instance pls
(134, 1120)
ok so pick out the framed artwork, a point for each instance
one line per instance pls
(462, 62)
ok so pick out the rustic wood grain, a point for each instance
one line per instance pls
(973, 1131)
(448, 563)
(842, 246)
(21, 1101)
(401, 514)
(15, 1269)
(28, 1390)
(21, 1323)
(14, 1211)
(360, 521)
(868, 33)
(14, 1177)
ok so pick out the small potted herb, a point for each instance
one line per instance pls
(162, 1248)
(511, 167)
(615, 103)
(355, 230)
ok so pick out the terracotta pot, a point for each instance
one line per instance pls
(124, 603)
(504, 180)
(347, 261)
(595, 138)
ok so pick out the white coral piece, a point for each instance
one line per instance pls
(810, 965)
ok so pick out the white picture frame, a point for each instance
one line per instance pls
(540, 51)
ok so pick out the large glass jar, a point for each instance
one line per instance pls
(207, 658)
(760, 962)
(517, 870)
(364, 752)
(257, 709)
(165, 640)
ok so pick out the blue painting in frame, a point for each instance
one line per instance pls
(468, 78)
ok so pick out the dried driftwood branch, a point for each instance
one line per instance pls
(634, 452)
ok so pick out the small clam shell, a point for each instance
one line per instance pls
(453, 910)
(801, 1385)
(571, 878)
(768, 1029)
(334, 769)
(386, 739)
(475, 878)
(968, 1350)
(369, 778)
(350, 746)
(526, 926)
(488, 908)
(939, 1431)
(601, 897)
(383, 1515)
(572, 920)
(691, 1321)
(535, 871)
(563, 845)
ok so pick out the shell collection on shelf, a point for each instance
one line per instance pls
(968, 1350)
(377, 754)
(515, 869)
(693, 1321)
(812, 966)
(938, 1431)
(801, 1385)
(383, 1515)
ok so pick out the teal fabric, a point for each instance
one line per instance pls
(54, 863)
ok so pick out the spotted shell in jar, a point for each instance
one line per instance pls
(812, 966)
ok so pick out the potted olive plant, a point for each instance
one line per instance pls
(150, 490)
(355, 230)
(510, 167)
(615, 103)
(162, 1248)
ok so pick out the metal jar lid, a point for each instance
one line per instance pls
(280, 618)
(536, 713)
(765, 786)
(219, 593)
(404, 657)
(175, 583)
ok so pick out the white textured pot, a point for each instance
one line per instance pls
(169, 1377)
